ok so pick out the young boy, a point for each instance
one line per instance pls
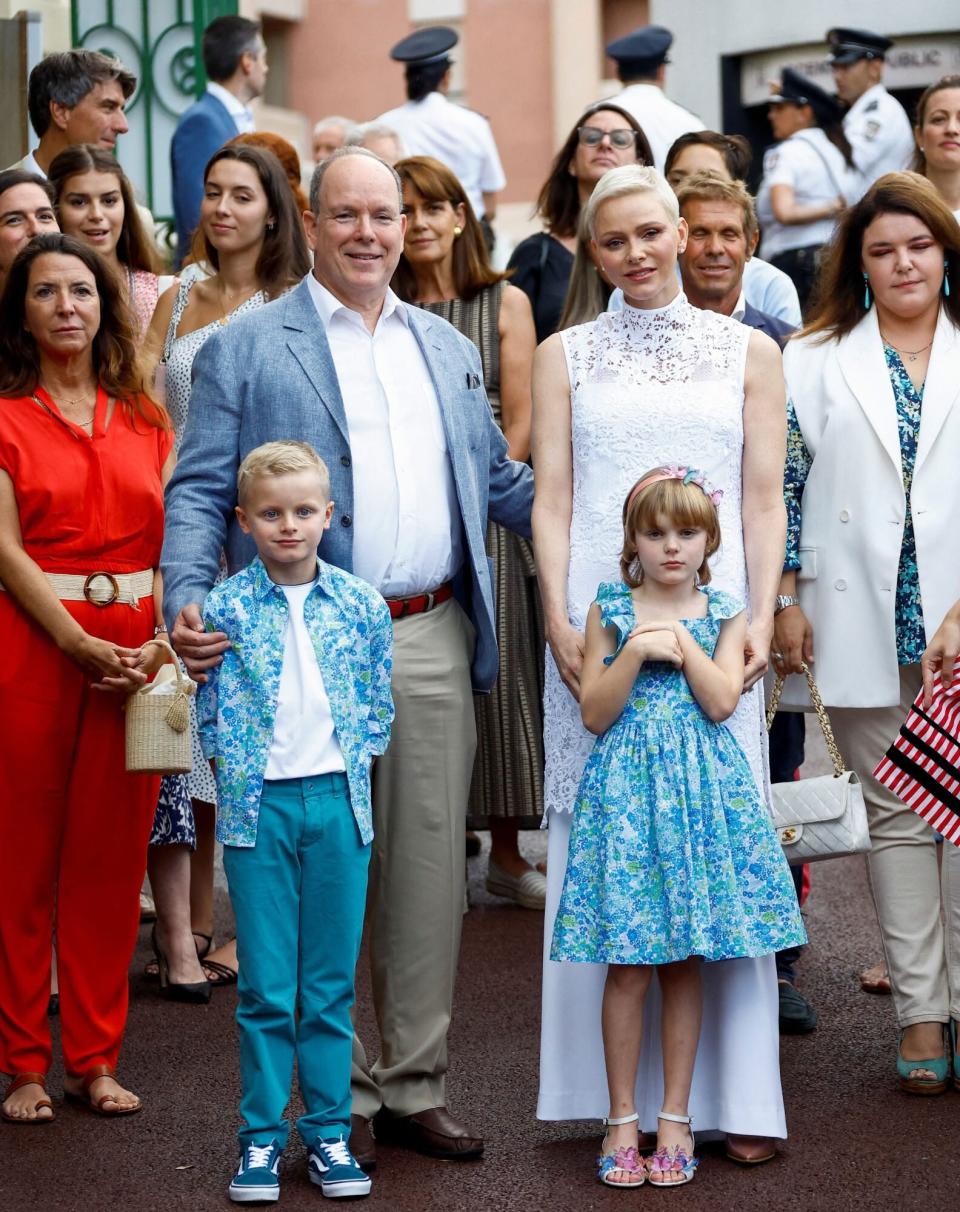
(292, 718)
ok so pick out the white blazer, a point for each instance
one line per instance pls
(854, 506)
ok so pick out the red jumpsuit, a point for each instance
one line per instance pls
(73, 824)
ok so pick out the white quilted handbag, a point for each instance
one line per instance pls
(823, 817)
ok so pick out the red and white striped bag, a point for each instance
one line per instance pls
(922, 766)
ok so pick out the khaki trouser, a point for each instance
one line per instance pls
(417, 870)
(908, 889)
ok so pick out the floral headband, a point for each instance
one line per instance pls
(686, 475)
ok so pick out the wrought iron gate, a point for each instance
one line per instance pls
(159, 41)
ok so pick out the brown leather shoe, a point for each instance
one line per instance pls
(362, 1145)
(750, 1150)
(434, 1132)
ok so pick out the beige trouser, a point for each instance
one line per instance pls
(908, 889)
(417, 868)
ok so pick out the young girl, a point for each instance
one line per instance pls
(672, 857)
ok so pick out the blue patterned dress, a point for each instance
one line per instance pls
(672, 853)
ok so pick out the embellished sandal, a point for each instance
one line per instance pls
(939, 1066)
(675, 1160)
(623, 1161)
(85, 1099)
(29, 1079)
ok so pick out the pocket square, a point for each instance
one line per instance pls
(472, 381)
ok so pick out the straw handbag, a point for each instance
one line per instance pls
(823, 817)
(158, 724)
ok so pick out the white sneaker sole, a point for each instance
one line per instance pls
(344, 1189)
(254, 1195)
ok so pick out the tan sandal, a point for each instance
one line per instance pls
(86, 1099)
(29, 1079)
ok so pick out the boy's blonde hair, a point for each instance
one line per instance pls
(280, 459)
(678, 502)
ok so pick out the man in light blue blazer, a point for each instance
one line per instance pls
(235, 61)
(392, 397)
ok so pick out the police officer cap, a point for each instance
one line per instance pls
(849, 45)
(644, 48)
(798, 90)
(425, 46)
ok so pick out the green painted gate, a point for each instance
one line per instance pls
(159, 41)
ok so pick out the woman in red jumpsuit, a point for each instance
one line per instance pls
(84, 456)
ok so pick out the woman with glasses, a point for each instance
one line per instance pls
(605, 137)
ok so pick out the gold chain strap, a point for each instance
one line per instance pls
(832, 748)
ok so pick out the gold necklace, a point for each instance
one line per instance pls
(910, 354)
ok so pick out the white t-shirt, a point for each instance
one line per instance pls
(304, 738)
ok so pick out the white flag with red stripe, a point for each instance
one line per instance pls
(922, 766)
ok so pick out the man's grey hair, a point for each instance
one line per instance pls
(66, 77)
(316, 181)
(375, 130)
(347, 125)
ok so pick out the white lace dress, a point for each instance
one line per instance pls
(649, 388)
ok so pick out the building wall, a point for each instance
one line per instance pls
(707, 30)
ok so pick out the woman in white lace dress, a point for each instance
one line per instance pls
(659, 383)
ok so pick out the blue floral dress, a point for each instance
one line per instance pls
(672, 853)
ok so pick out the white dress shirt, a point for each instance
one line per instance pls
(304, 737)
(662, 120)
(242, 116)
(459, 137)
(407, 531)
(880, 136)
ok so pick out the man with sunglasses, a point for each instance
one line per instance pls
(641, 59)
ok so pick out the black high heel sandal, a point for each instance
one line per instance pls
(195, 993)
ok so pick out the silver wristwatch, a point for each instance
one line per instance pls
(783, 602)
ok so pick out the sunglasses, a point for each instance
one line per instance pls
(593, 136)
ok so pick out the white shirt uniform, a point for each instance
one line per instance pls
(816, 171)
(304, 737)
(880, 134)
(662, 120)
(458, 137)
(407, 533)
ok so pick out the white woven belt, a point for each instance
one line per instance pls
(101, 588)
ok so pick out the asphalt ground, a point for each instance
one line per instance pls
(855, 1141)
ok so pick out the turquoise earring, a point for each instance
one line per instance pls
(946, 279)
(866, 293)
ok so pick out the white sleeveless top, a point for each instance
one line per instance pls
(647, 388)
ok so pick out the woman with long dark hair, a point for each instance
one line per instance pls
(252, 238)
(95, 203)
(85, 453)
(445, 269)
(872, 502)
(605, 137)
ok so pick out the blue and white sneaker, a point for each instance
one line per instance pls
(333, 1168)
(257, 1179)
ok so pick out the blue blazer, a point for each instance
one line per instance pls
(269, 375)
(778, 329)
(201, 130)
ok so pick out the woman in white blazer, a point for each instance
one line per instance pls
(873, 503)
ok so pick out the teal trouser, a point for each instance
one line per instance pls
(298, 897)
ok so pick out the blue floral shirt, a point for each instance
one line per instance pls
(908, 610)
(352, 634)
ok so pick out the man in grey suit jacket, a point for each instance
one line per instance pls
(392, 398)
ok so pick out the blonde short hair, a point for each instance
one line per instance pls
(280, 459)
(623, 181)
